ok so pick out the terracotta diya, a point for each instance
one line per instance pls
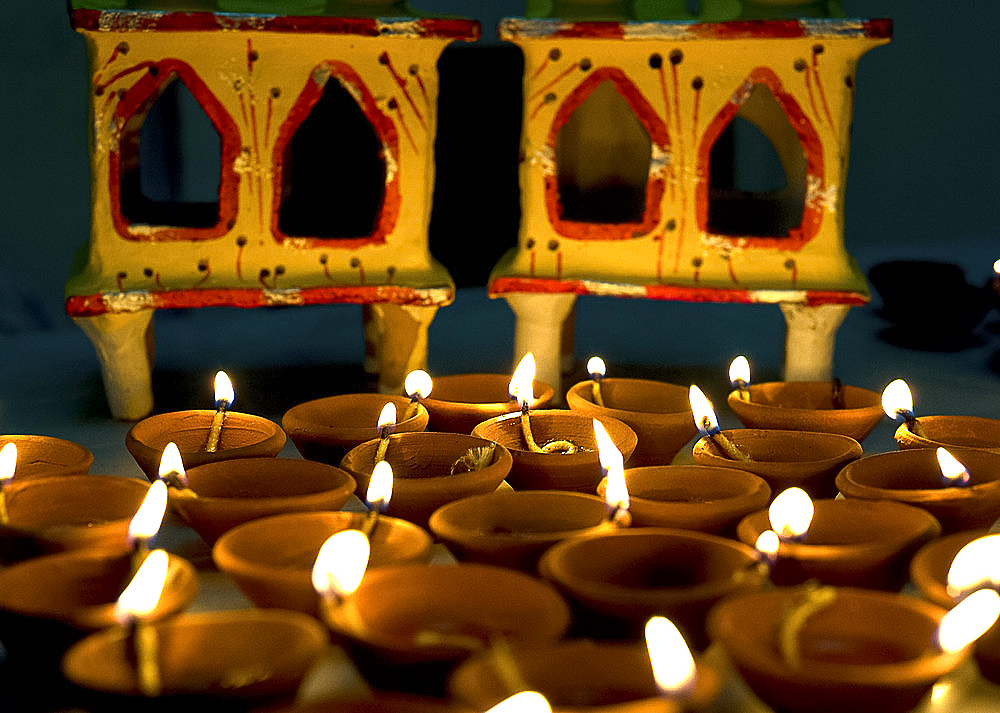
(46, 455)
(784, 459)
(580, 471)
(914, 477)
(618, 580)
(951, 432)
(461, 401)
(431, 469)
(271, 559)
(513, 529)
(326, 429)
(692, 497)
(849, 542)
(235, 491)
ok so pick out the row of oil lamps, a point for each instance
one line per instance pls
(799, 590)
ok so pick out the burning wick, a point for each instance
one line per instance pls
(339, 568)
(378, 495)
(767, 547)
(146, 523)
(837, 394)
(386, 425)
(596, 368)
(897, 402)
(418, 387)
(739, 376)
(708, 424)
(967, 620)
(224, 397)
(975, 567)
(615, 489)
(674, 669)
(520, 389)
(791, 514)
(954, 473)
(134, 605)
(8, 462)
(172, 473)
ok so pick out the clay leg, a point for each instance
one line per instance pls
(538, 328)
(809, 340)
(124, 346)
(399, 334)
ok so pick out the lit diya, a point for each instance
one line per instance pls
(818, 406)
(658, 412)
(461, 401)
(38, 456)
(204, 436)
(937, 431)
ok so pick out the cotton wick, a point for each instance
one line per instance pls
(417, 386)
(224, 398)
(386, 427)
(597, 370)
(837, 394)
(556, 446)
(739, 376)
(812, 599)
(719, 439)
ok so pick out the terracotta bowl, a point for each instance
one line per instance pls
(513, 529)
(914, 477)
(45, 455)
(808, 406)
(580, 471)
(929, 567)
(784, 459)
(271, 559)
(461, 401)
(379, 702)
(618, 580)
(692, 497)
(63, 512)
(868, 652)
(849, 543)
(243, 436)
(246, 653)
(421, 468)
(579, 675)
(952, 432)
(659, 413)
(326, 429)
(235, 491)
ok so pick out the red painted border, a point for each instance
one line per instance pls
(655, 187)
(136, 99)
(730, 30)
(384, 128)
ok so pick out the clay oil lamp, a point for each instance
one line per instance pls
(817, 406)
(46, 455)
(937, 431)
(204, 436)
(461, 401)
(784, 459)
(841, 542)
(553, 449)
(915, 477)
(658, 412)
(618, 580)
(585, 675)
(819, 649)
(430, 469)
(216, 497)
(692, 497)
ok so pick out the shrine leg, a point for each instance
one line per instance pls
(539, 320)
(809, 339)
(400, 338)
(124, 346)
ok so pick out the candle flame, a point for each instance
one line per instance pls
(596, 368)
(340, 564)
(616, 491)
(739, 371)
(968, 620)
(523, 702)
(976, 565)
(952, 470)
(143, 593)
(148, 518)
(996, 266)
(380, 486)
(897, 401)
(224, 394)
(703, 412)
(387, 417)
(8, 462)
(768, 544)
(521, 387)
(791, 513)
(418, 384)
(171, 464)
(673, 665)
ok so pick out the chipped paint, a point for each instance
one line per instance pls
(131, 301)
(296, 243)
(823, 197)
(612, 289)
(659, 161)
(409, 27)
(657, 31)
(544, 157)
(776, 296)
(283, 297)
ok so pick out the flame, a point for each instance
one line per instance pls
(791, 513)
(340, 564)
(521, 387)
(616, 491)
(968, 620)
(8, 462)
(768, 544)
(523, 702)
(380, 486)
(224, 394)
(387, 417)
(897, 401)
(953, 471)
(171, 463)
(673, 665)
(996, 266)
(595, 367)
(739, 370)
(418, 384)
(143, 593)
(976, 565)
(703, 411)
(147, 519)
